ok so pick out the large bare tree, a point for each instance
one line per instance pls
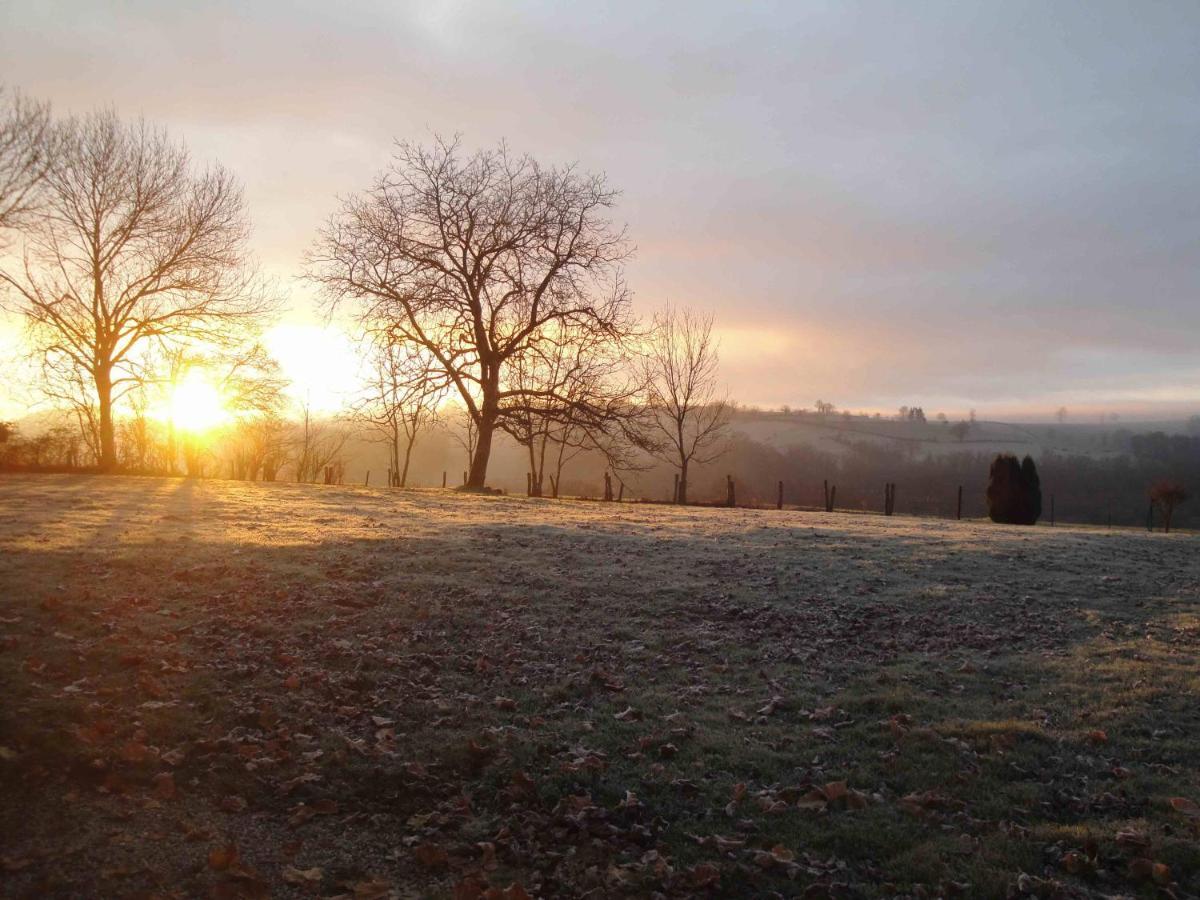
(472, 258)
(27, 147)
(132, 245)
(688, 418)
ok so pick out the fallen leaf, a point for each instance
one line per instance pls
(164, 786)
(302, 876)
(372, 889)
(431, 856)
(703, 875)
(1185, 806)
(221, 858)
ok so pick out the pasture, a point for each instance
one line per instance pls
(229, 689)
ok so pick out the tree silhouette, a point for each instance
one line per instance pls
(27, 149)
(688, 419)
(1167, 495)
(477, 260)
(131, 247)
(1014, 493)
(401, 400)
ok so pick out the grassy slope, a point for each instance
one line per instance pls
(382, 691)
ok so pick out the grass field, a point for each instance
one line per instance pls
(225, 689)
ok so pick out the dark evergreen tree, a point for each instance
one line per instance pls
(1014, 493)
(1032, 486)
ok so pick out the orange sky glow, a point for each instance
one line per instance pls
(877, 208)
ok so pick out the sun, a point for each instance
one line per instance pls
(197, 404)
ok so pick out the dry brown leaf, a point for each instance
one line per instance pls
(134, 752)
(1185, 806)
(302, 876)
(431, 856)
(703, 875)
(164, 786)
(221, 858)
(372, 889)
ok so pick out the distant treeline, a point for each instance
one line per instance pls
(1085, 489)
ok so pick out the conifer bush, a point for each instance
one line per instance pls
(1014, 493)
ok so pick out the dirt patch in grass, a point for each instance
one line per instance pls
(241, 690)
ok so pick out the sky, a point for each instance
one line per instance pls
(954, 205)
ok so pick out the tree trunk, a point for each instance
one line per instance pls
(477, 477)
(535, 473)
(108, 443)
(404, 469)
(396, 458)
(681, 499)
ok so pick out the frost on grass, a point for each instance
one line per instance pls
(290, 690)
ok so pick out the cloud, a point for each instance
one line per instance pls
(991, 203)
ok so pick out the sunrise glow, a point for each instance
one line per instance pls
(196, 404)
(319, 362)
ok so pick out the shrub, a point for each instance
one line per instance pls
(1166, 495)
(1014, 493)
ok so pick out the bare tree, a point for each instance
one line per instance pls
(473, 258)
(27, 148)
(460, 425)
(401, 400)
(251, 388)
(577, 394)
(687, 416)
(132, 246)
(137, 434)
(69, 387)
(1167, 495)
(319, 446)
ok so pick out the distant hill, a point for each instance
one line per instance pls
(837, 433)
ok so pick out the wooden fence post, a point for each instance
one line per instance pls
(367, 483)
(621, 492)
(958, 512)
(443, 477)
(553, 488)
(608, 494)
(730, 499)
(779, 497)
(464, 478)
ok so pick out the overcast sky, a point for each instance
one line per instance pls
(946, 204)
